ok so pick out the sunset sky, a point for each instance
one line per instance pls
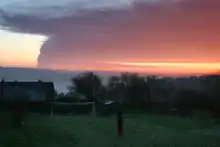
(150, 36)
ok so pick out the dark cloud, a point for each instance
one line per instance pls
(169, 30)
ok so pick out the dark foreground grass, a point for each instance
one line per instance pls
(88, 131)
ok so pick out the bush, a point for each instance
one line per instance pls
(18, 101)
(71, 109)
(201, 114)
(5, 118)
(18, 112)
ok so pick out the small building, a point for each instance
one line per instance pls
(105, 108)
(40, 94)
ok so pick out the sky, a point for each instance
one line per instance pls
(150, 36)
(19, 50)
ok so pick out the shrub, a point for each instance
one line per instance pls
(18, 101)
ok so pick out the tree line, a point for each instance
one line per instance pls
(148, 92)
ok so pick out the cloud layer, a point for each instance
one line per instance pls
(85, 35)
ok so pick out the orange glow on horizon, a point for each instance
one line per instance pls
(162, 68)
(193, 65)
(174, 67)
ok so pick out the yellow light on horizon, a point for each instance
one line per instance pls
(202, 65)
(18, 49)
(184, 67)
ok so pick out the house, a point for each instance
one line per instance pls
(106, 107)
(39, 93)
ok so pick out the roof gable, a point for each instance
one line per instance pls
(37, 91)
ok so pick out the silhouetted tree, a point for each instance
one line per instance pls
(127, 81)
(137, 91)
(133, 91)
(115, 89)
(211, 85)
(150, 83)
(128, 89)
(87, 84)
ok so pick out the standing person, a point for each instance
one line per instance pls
(120, 121)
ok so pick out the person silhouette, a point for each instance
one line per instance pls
(120, 122)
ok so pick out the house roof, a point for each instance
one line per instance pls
(37, 90)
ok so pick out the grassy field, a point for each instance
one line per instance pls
(87, 131)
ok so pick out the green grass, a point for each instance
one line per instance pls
(87, 131)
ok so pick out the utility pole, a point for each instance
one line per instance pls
(93, 108)
(2, 90)
(94, 96)
(120, 120)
